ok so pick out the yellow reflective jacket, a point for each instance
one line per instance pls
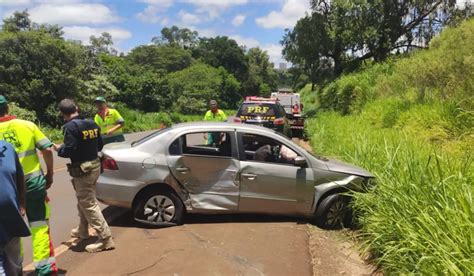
(25, 137)
(111, 119)
(219, 116)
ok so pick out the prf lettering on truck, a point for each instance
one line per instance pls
(258, 109)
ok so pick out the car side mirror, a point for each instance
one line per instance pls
(300, 161)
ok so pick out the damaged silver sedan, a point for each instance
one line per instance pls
(216, 168)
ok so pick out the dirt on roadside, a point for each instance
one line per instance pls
(333, 253)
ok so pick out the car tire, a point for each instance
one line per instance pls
(159, 208)
(333, 212)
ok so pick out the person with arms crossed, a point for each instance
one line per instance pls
(82, 143)
(26, 138)
(110, 122)
(12, 204)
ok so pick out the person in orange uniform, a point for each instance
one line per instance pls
(110, 122)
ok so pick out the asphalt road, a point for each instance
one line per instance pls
(63, 203)
(204, 245)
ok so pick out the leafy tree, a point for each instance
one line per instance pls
(139, 88)
(160, 59)
(319, 43)
(262, 77)
(193, 87)
(230, 96)
(385, 26)
(99, 85)
(20, 21)
(339, 34)
(225, 52)
(37, 70)
(174, 36)
(102, 44)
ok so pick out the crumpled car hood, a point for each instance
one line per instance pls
(342, 167)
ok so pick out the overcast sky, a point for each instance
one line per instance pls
(251, 22)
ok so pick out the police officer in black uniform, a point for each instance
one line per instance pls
(82, 142)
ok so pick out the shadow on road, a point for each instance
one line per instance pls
(126, 219)
(33, 273)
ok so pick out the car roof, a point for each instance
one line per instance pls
(211, 125)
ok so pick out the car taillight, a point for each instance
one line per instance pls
(279, 121)
(237, 120)
(109, 164)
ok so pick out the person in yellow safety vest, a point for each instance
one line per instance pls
(110, 122)
(214, 114)
(26, 138)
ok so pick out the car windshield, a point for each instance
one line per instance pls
(150, 136)
(258, 109)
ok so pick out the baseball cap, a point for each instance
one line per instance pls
(213, 102)
(3, 100)
(100, 99)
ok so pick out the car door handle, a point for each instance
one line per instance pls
(183, 170)
(249, 176)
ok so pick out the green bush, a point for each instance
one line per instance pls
(22, 113)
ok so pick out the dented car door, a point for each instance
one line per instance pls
(208, 172)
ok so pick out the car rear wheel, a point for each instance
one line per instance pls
(333, 212)
(159, 208)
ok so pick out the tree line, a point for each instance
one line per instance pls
(339, 36)
(179, 71)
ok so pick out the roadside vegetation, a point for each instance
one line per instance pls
(410, 121)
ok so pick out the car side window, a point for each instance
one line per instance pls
(207, 144)
(175, 148)
(260, 148)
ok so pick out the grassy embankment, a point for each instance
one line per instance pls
(410, 121)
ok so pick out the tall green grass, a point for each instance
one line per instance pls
(420, 215)
(410, 121)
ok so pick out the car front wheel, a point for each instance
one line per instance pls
(333, 212)
(159, 208)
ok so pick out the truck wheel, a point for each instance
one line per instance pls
(333, 212)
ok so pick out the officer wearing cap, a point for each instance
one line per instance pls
(26, 138)
(110, 122)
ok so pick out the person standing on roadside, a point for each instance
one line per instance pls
(214, 114)
(12, 204)
(110, 122)
(26, 138)
(82, 143)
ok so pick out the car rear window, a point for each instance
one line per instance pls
(258, 109)
(149, 137)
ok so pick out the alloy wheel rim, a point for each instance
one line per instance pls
(158, 209)
(336, 212)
